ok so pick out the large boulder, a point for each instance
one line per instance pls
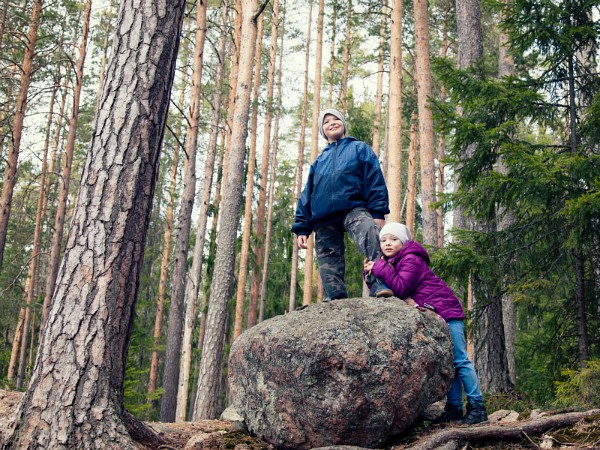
(352, 371)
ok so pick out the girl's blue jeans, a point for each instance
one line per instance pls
(465, 376)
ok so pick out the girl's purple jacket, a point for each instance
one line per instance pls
(408, 275)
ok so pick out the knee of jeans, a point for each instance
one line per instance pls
(462, 363)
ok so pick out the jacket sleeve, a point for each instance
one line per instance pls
(402, 279)
(302, 223)
(375, 190)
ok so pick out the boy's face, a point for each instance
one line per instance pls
(333, 128)
(390, 245)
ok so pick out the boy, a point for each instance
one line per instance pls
(345, 191)
(404, 267)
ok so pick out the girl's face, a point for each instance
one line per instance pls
(333, 128)
(390, 245)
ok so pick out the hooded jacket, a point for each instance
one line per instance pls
(408, 275)
(346, 175)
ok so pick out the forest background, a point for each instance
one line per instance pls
(486, 119)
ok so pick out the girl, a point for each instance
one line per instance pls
(404, 268)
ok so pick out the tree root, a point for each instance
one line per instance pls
(450, 438)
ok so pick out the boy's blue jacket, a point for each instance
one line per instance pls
(346, 175)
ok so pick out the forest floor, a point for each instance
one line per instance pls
(564, 430)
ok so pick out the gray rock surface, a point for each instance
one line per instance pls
(347, 372)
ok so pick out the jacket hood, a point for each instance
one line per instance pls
(343, 140)
(411, 247)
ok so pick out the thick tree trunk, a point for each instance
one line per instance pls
(314, 149)
(168, 404)
(394, 160)
(212, 351)
(426, 144)
(506, 67)
(75, 397)
(264, 168)
(192, 287)
(300, 167)
(380, 69)
(470, 50)
(243, 264)
(12, 159)
(59, 220)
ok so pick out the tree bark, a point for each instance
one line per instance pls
(12, 159)
(243, 269)
(394, 161)
(168, 405)
(426, 145)
(264, 168)
(194, 277)
(314, 148)
(300, 167)
(212, 350)
(75, 397)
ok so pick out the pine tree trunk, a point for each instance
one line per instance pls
(243, 269)
(426, 144)
(12, 159)
(168, 405)
(212, 351)
(164, 274)
(194, 277)
(75, 397)
(314, 148)
(300, 167)
(37, 242)
(334, 11)
(235, 58)
(273, 179)
(264, 169)
(441, 146)
(380, 69)
(506, 67)
(411, 177)
(59, 220)
(394, 145)
(345, 74)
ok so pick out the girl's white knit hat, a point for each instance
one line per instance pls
(399, 230)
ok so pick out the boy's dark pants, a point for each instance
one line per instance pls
(329, 246)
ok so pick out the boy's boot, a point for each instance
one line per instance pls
(476, 413)
(452, 413)
(379, 289)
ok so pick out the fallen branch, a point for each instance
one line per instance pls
(512, 431)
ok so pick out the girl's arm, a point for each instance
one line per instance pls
(402, 279)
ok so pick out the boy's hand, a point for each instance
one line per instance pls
(302, 240)
(380, 222)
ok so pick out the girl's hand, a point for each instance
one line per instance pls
(368, 265)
